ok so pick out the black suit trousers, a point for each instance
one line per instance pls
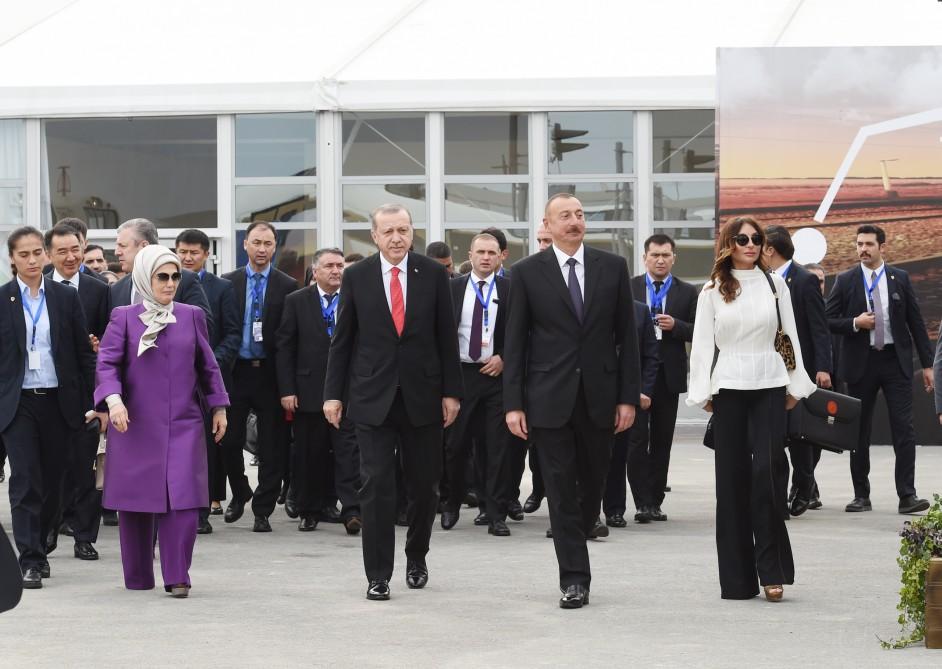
(420, 451)
(36, 440)
(882, 372)
(629, 455)
(83, 500)
(751, 538)
(574, 462)
(310, 461)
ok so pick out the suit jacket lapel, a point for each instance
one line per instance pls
(458, 289)
(238, 283)
(591, 278)
(555, 277)
(412, 291)
(891, 289)
(377, 271)
(52, 304)
(17, 316)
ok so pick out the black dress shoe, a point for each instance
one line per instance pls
(859, 504)
(481, 520)
(32, 579)
(549, 533)
(598, 530)
(204, 527)
(402, 519)
(499, 529)
(109, 518)
(656, 513)
(471, 499)
(291, 508)
(912, 504)
(574, 597)
(378, 590)
(667, 488)
(66, 529)
(616, 520)
(799, 505)
(514, 510)
(643, 515)
(261, 524)
(3, 474)
(52, 541)
(85, 551)
(329, 514)
(416, 575)
(235, 509)
(216, 511)
(254, 461)
(45, 570)
(353, 524)
(282, 497)
(449, 519)
(532, 504)
(307, 524)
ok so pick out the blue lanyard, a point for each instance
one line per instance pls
(483, 300)
(870, 287)
(657, 296)
(328, 313)
(257, 295)
(37, 315)
(788, 271)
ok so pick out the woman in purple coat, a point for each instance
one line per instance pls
(156, 372)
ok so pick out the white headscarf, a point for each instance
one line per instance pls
(156, 316)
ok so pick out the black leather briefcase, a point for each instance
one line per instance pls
(826, 419)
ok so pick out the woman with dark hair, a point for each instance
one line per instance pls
(737, 373)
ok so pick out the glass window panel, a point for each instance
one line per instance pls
(620, 241)
(11, 207)
(275, 145)
(361, 199)
(695, 251)
(294, 252)
(605, 145)
(488, 203)
(383, 144)
(684, 141)
(12, 149)
(518, 244)
(684, 200)
(106, 171)
(279, 204)
(361, 241)
(608, 201)
(5, 273)
(486, 144)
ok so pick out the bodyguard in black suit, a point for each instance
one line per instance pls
(81, 502)
(673, 306)
(47, 371)
(572, 377)
(874, 307)
(481, 347)
(394, 368)
(307, 325)
(260, 292)
(814, 338)
(630, 447)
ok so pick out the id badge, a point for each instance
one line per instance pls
(485, 338)
(658, 332)
(34, 362)
(256, 331)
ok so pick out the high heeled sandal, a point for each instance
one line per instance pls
(774, 593)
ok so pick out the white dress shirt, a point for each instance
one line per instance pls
(579, 255)
(884, 302)
(783, 270)
(647, 293)
(58, 278)
(403, 278)
(467, 314)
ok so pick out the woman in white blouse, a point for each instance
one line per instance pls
(748, 389)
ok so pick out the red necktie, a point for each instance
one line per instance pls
(395, 297)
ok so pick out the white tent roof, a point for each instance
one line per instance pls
(99, 57)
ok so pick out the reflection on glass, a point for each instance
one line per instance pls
(278, 204)
(684, 200)
(12, 148)
(11, 207)
(597, 142)
(620, 241)
(5, 273)
(293, 255)
(695, 251)
(491, 143)
(383, 144)
(107, 170)
(490, 203)
(275, 145)
(609, 201)
(360, 241)
(518, 244)
(684, 141)
(359, 200)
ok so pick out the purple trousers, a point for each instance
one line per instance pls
(176, 536)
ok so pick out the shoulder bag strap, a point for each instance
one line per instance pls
(778, 314)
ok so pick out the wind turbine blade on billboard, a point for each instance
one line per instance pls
(865, 132)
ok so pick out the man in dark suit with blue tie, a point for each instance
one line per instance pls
(874, 307)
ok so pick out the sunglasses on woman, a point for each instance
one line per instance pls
(163, 277)
(743, 240)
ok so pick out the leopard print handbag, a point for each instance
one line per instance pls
(783, 343)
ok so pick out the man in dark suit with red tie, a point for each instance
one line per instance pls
(572, 377)
(394, 370)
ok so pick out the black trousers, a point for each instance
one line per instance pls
(629, 449)
(657, 457)
(749, 435)
(216, 462)
(803, 464)
(420, 452)
(882, 372)
(482, 405)
(520, 454)
(574, 462)
(82, 500)
(325, 464)
(36, 442)
(252, 390)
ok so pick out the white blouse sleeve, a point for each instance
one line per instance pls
(701, 351)
(799, 384)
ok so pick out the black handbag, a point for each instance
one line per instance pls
(826, 419)
(708, 435)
